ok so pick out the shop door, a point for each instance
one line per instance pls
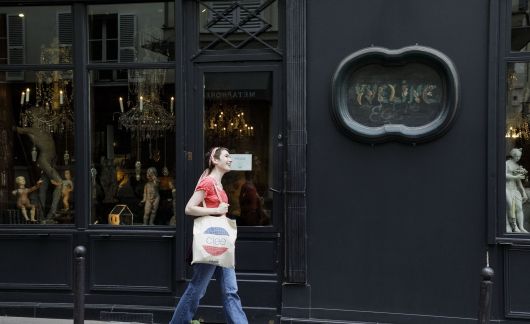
(237, 107)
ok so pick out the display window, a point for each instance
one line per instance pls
(37, 148)
(132, 134)
(516, 219)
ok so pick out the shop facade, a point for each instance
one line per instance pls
(370, 144)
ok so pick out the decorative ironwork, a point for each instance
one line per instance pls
(237, 23)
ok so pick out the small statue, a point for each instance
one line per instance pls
(66, 187)
(515, 192)
(22, 194)
(151, 197)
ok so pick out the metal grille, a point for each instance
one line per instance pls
(238, 24)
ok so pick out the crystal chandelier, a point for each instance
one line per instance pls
(228, 121)
(50, 108)
(148, 120)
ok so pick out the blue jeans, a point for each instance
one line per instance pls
(202, 273)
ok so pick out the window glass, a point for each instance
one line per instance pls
(36, 35)
(36, 147)
(132, 32)
(517, 147)
(238, 24)
(237, 116)
(133, 148)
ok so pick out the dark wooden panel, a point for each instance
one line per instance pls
(256, 256)
(517, 282)
(36, 261)
(131, 263)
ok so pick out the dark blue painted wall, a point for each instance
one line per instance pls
(396, 228)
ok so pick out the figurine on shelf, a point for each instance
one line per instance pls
(22, 194)
(66, 187)
(151, 197)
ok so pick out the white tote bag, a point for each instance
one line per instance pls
(214, 239)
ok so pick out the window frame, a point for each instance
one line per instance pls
(500, 56)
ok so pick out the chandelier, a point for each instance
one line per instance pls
(148, 120)
(228, 121)
(50, 108)
(517, 127)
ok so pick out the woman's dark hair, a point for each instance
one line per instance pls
(213, 153)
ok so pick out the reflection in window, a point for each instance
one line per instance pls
(133, 149)
(36, 148)
(520, 26)
(517, 147)
(237, 116)
(133, 32)
(25, 30)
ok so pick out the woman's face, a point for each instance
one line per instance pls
(225, 161)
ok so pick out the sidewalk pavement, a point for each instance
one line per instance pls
(34, 320)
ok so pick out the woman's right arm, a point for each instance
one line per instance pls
(194, 208)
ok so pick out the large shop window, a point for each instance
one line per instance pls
(132, 32)
(132, 114)
(517, 133)
(133, 148)
(36, 117)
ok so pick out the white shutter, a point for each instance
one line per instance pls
(64, 28)
(65, 34)
(127, 38)
(16, 42)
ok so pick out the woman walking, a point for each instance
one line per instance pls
(209, 198)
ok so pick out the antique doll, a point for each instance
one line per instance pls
(151, 197)
(66, 187)
(22, 194)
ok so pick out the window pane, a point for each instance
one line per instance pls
(36, 148)
(237, 116)
(517, 147)
(36, 35)
(238, 24)
(133, 148)
(520, 26)
(145, 32)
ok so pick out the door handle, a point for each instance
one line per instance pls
(275, 190)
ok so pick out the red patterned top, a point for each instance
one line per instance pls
(207, 185)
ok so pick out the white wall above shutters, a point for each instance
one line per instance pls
(127, 38)
(16, 42)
